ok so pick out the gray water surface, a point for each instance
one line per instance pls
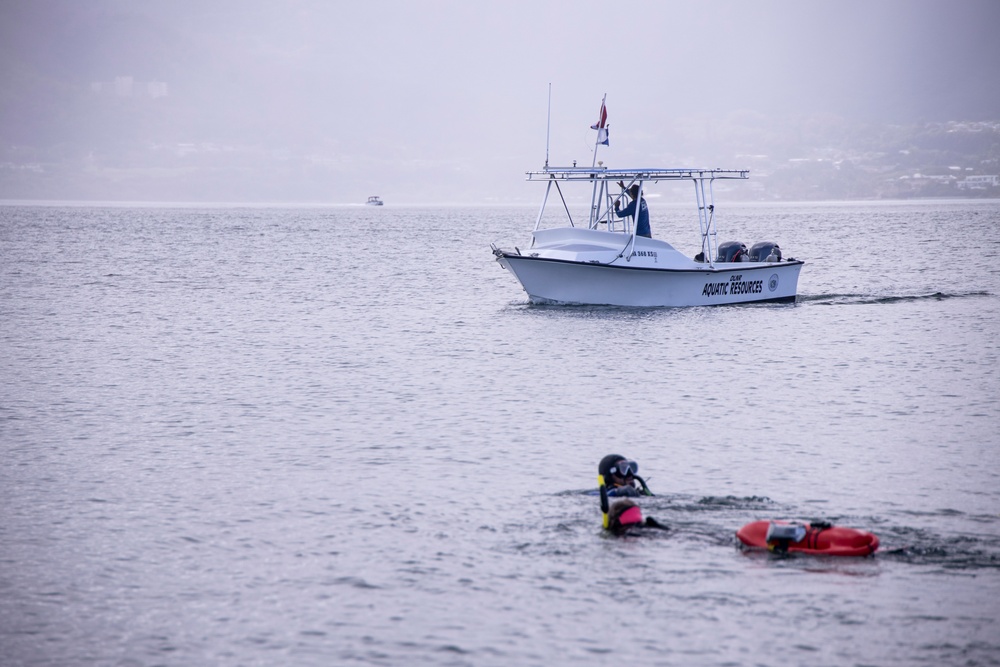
(317, 436)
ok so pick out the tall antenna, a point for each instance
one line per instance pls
(548, 125)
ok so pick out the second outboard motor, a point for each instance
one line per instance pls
(732, 251)
(765, 251)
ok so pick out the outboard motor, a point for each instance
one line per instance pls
(732, 251)
(765, 251)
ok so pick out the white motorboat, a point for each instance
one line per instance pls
(605, 262)
(374, 200)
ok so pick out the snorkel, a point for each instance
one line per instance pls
(604, 498)
(645, 489)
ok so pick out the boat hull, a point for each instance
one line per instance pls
(548, 280)
(821, 541)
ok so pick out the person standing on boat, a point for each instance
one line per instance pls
(620, 477)
(642, 221)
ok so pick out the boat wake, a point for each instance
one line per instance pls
(925, 547)
(868, 299)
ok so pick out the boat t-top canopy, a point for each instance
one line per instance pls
(603, 199)
(635, 175)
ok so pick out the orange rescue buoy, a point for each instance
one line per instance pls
(818, 538)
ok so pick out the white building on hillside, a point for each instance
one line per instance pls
(979, 182)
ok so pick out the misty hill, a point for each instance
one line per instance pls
(135, 141)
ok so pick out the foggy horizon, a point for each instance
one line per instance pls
(313, 102)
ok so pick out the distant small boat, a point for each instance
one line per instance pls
(374, 200)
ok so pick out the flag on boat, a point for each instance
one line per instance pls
(601, 125)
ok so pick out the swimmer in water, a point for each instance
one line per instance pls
(621, 475)
(625, 518)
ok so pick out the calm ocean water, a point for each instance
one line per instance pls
(341, 436)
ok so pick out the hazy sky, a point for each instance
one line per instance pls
(384, 94)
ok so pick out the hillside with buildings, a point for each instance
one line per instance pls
(952, 159)
(134, 140)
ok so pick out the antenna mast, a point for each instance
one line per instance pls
(548, 125)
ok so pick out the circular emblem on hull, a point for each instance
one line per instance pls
(772, 283)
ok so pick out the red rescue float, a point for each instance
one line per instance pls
(817, 538)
